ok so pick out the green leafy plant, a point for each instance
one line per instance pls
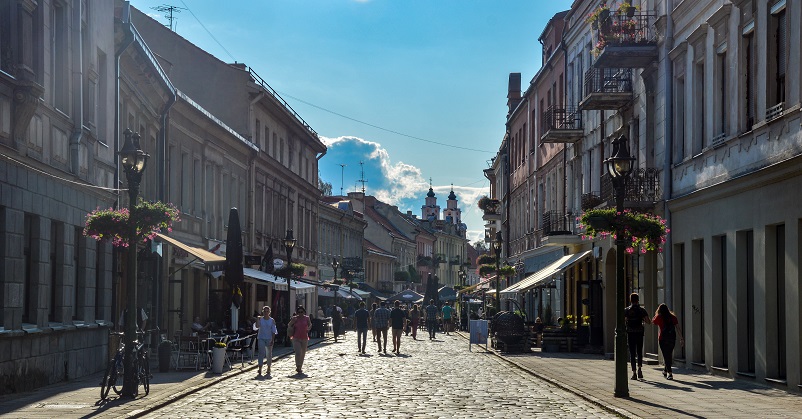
(626, 8)
(297, 269)
(600, 12)
(641, 231)
(485, 259)
(149, 217)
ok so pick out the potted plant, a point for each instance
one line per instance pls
(165, 351)
(149, 217)
(488, 205)
(626, 8)
(218, 357)
(598, 16)
(642, 231)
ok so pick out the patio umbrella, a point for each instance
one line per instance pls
(233, 271)
(406, 296)
(447, 294)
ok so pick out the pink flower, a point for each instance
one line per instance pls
(643, 250)
(630, 250)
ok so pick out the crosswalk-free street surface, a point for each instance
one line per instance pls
(438, 379)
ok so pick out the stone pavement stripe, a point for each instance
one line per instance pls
(612, 409)
(209, 383)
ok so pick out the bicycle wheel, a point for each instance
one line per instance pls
(144, 367)
(108, 379)
(119, 373)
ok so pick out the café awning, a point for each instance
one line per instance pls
(278, 283)
(546, 274)
(212, 262)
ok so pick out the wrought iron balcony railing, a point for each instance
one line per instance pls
(556, 223)
(628, 41)
(607, 88)
(642, 188)
(562, 124)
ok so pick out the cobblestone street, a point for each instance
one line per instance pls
(438, 378)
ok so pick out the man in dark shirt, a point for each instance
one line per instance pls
(398, 319)
(431, 318)
(381, 320)
(635, 316)
(361, 317)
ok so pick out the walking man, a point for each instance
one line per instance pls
(361, 317)
(431, 319)
(398, 319)
(447, 312)
(381, 321)
(635, 316)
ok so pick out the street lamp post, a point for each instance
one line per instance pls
(335, 264)
(497, 248)
(620, 166)
(289, 244)
(133, 160)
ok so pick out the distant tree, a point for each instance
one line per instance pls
(324, 186)
(480, 246)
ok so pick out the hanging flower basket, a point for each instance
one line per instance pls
(150, 217)
(488, 269)
(642, 232)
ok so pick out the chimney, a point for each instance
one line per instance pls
(513, 92)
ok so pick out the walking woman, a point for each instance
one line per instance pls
(300, 325)
(667, 336)
(266, 326)
(414, 314)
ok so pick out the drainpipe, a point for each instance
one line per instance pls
(127, 40)
(252, 170)
(161, 158)
(668, 70)
(565, 147)
(78, 91)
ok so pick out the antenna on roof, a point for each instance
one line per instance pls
(362, 180)
(168, 10)
(342, 177)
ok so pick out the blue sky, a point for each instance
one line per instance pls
(370, 75)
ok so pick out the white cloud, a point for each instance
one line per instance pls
(405, 185)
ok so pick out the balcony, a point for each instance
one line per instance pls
(558, 229)
(642, 190)
(562, 125)
(607, 89)
(624, 41)
(491, 208)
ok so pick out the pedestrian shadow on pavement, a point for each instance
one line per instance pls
(660, 406)
(403, 356)
(298, 376)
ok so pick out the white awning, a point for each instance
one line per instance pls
(343, 293)
(545, 275)
(212, 262)
(280, 284)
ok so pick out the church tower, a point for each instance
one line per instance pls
(452, 214)
(430, 211)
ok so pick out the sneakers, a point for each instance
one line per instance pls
(665, 373)
(634, 376)
(640, 374)
(670, 376)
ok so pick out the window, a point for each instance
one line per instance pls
(28, 300)
(679, 117)
(719, 262)
(745, 300)
(185, 182)
(721, 102)
(266, 140)
(275, 145)
(698, 300)
(79, 275)
(699, 106)
(258, 134)
(59, 70)
(197, 186)
(56, 285)
(102, 94)
(749, 78)
(779, 50)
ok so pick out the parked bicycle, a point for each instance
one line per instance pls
(113, 379)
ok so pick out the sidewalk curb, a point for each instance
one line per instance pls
(186, 392)
(606, 406)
